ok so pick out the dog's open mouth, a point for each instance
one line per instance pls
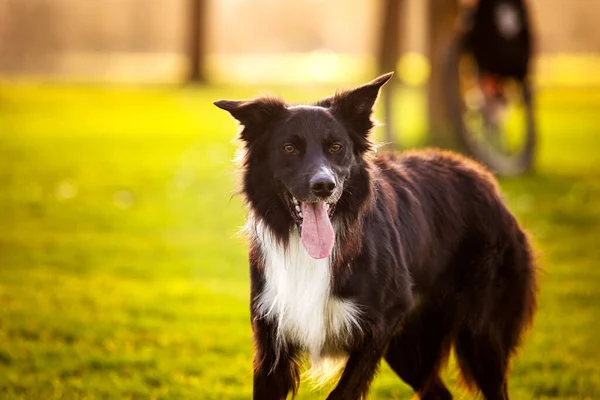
(314, 224)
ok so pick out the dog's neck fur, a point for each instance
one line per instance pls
(297, 297)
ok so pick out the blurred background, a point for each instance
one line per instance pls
(122, 274)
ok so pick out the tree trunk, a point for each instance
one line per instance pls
(196, 42)
(387, 57)
(441, 22)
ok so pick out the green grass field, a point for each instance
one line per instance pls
(121, 275)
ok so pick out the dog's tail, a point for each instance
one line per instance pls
(484, 346)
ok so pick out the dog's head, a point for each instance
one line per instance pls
(303, 157)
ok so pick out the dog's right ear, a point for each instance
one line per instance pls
(255, 115)
(355, 107)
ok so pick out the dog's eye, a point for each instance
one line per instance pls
(289, 148)
(335, 147)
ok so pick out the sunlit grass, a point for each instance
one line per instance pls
(121, 273)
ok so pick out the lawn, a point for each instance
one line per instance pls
(122, 276)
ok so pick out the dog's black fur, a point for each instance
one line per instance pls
(429, 250)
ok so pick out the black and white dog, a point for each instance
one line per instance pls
(357, 256)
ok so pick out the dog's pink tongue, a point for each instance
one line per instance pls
(317, 232)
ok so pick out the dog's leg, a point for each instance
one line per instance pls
(419, 350)
(358, 373)
(484, 361)
(276, 372)
(362, 366)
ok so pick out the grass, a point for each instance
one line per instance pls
(121, 275)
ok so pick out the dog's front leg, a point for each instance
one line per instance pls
(363, 361)
(359, 372)
(276, 373)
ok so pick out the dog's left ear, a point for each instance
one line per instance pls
(355, 106)
(254, 114)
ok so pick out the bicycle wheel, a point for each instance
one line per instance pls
(498, 132)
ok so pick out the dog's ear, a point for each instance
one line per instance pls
(255, 115)
(355, 106)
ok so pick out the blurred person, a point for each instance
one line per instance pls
(498, 35)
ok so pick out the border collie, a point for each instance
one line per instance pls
(356, 256)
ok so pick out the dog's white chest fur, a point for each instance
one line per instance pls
(297, 296)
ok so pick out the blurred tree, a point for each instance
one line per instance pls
(387, 57)
(441, 21)
(196, 44)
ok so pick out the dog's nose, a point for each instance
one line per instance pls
(322, 185)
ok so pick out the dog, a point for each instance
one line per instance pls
(357, 256)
